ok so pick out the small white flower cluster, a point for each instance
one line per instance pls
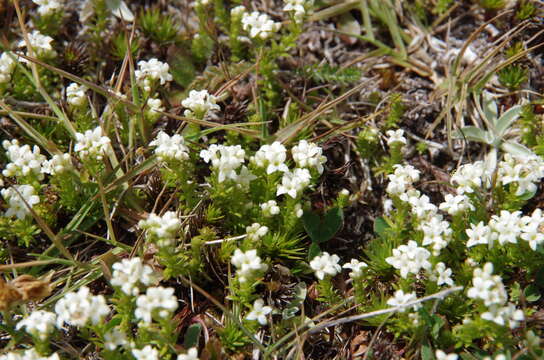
(170, 148)
(506, 228)
(115, 338)
(526, 172)
(259, 25)
(402, 179)
(442, 275)
(298, 7)
(58, 164)
(225, 159)
(293, 183)
(325, 265)
(24, 160)
(47, 7)
(192, 354)
(401, 299)
(80, 308)
(150, 71)
(39, 324)
(259, 312)
(30, 354)
(154, 108)
(41, 45)
(308, 155)
(17, 206)
(270, 208)
(470, 177)
(490, 289)
(7, 65)
(162, 229)
(148, 352)
(272, 157)
(248, 264)
(436, 232)
(409, 258)
(421, 205)
(255, 231)
(92, 145)
(75, 94)
(157, 301)
(199, 104)
(456, 204)
(356, 267)
(395, 137)
(128, 274)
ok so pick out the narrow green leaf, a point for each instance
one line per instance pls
(191, 336)
(507, 119)
(473, 133)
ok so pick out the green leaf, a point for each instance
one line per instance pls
(474, 134)
(191, 336)
(507, 119)
(490, 107)
(426, 353)
(532, 293)
(294, 306)
(381, 226)
(313, 251)
(516, 149)
(321, 229)
(120, 9)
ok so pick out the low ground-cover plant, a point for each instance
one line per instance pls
(145, 218)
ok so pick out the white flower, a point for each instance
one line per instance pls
(24, 161)
(147, 353)
(270, 208)
(199, 103)
(456, 204)
(80, 308)
(154, 108)
(225, 159)
(170, 148)
(442, 275)
(401, 299)
(487, 287)
(259, 25)
(237, 12)
(293, 183)
(41, 44)
(272, 157)
(75, 94)
(192, 354)
(162, 229)
(473, 176)
(299, 7)
(298, 210)
(129, 273)
(525, 171)
(58, 164)
(504, 315)
(325, 264)
(40, 323)
(409, 259)
(157, 300)
(7, 65)
(47, 7)
(401, 179)
(244, 178)
(16, 203)
(506, 227)
(115, 338)
(356, 267)
(30, 354)
(248, 264)
(440, 355)
(256, 231)
(479, 234)
(259, 312)
(436, 232)
(421, 205)
(92, 145)
(530, 230)
(308, 155)
(150, 71)
(395, 136)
